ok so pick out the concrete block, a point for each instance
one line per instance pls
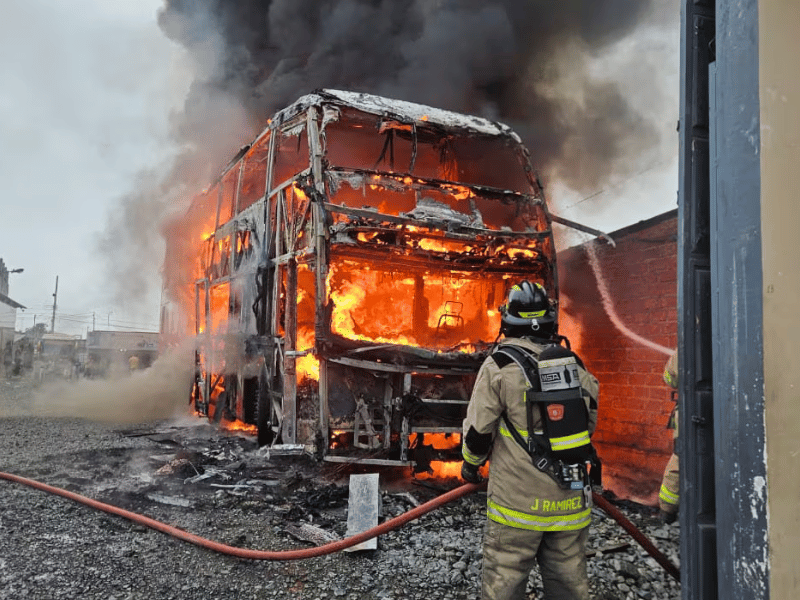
(363, 508)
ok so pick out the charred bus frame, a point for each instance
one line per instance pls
(423, 216)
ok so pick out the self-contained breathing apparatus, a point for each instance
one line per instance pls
(563, 450)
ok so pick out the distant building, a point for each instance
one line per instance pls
(56, 355)
(8, 320)
(108, 351)
(59, 344)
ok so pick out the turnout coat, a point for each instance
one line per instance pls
(520, 495)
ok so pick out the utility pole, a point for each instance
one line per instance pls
(55, 303)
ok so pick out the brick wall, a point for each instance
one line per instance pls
(641, 277)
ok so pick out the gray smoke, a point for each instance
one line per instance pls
(159, 392)
(524, 62)
(501, 59)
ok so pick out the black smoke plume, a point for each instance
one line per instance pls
(501, 59)
(523, 62)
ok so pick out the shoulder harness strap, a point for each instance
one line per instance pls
(537, 447)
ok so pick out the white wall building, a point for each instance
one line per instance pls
(8, 317)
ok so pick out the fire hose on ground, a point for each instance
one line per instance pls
(332, 547)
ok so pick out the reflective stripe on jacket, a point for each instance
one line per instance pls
(671, 371)
(537, 522)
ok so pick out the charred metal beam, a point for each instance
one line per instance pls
(406, 181)
(416, 260)
(375, 217)
(289, 366)
(395, 368)
(584, 228)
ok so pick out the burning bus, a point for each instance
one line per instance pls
(344, 273)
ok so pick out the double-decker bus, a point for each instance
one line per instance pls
(342, 276)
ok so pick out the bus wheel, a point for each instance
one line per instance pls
(264, 410)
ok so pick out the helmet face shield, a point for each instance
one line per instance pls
(527, 312)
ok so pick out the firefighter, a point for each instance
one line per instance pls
(533, 407)
(668, 495)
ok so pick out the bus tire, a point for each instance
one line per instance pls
(264, 410)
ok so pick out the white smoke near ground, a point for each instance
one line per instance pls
(611, 311)
(156, 393)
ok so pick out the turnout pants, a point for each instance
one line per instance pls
(509, 555)
(668, 495)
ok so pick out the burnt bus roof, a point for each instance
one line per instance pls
(400, 110)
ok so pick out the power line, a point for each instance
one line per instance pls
(616, 185)
(146, 329)
(137, 323)
(27, 322)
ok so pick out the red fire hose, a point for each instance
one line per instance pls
(636, 534)
(385, 527)
(244, 552)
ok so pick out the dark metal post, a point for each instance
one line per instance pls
(290, 355)
(724, 544)
(696, 442)
(55, 304)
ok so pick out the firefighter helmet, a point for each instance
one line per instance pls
(528, 312)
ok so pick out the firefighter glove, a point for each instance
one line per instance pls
(469, 473)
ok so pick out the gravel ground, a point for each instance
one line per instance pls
(220, 486)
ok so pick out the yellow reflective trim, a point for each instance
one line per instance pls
(570, 441)
(472, 459)
(668, 496)
(505, 432)
(562, 443)
(523, 432)
(469, 457)
(521, 520)
(532, 315)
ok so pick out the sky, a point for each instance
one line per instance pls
(85, 102)
(90, 96)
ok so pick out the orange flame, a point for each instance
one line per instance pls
(238, 425)
(442, 469)
(393, 308)
(308, 365)
(521, 253)
(442, 441)
(299, 192)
